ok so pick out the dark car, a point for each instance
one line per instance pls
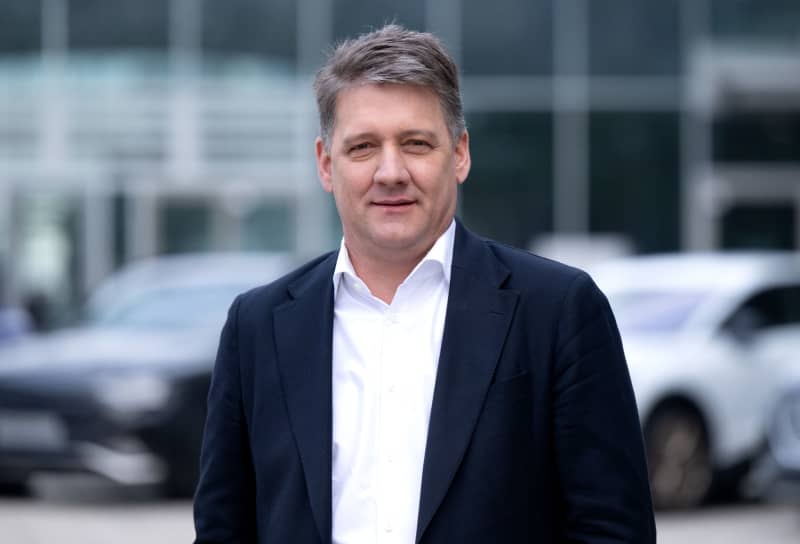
(123, 395)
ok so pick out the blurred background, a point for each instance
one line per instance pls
(130, 129)
(134, 129)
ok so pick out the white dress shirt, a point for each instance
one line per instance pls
(385, 358)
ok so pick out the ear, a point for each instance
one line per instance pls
(323, 165)
(463, 161)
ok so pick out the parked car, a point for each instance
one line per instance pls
(123, 394)
(777, 473)
(14, 323)
(784, 435)
(708, 338)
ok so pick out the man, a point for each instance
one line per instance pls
(421, 384)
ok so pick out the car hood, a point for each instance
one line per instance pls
(652, 355)
(643, 349)
(95, 348)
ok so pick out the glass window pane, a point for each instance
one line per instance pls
(268, 227)
(505, 37)
(266, 28)
(508, 195)
(757, 137)
(775, 307)
(353, 17)
(185, 227)
(759, 227)
(22, 26)
(635, 177)
(760, 19)
(631, 37)
(100, 24)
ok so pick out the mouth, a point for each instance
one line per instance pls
(397, 203)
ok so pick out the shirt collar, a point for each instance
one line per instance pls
(441, 253)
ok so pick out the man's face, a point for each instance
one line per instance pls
(393, 170)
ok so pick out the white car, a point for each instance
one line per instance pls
(708, 338)
(782, 460)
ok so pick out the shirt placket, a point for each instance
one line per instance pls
(390, 429)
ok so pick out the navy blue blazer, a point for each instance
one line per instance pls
(534, 434)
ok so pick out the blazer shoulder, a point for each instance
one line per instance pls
(550, 288)
(279, 291)
(532, 270)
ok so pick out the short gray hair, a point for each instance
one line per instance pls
(390, 55)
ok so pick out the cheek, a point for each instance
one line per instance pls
(347, 194)
(442, 188)
(356, 178)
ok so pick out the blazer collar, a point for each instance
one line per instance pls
(303, 329)
(479, 313)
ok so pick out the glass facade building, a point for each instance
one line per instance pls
(134, 128)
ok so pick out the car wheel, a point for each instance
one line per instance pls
(678, 457)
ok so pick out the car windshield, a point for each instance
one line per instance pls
(170, 308)
(653, 311)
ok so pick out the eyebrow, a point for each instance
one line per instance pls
(430, 135)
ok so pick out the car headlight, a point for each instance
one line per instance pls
(130, 395)
(784, 437)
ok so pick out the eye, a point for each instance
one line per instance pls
(418, 145)
(360, 146)
(360, 150)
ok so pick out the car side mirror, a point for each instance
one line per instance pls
(744, 325)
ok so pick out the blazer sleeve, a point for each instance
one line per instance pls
(598, 440)
(225, 498)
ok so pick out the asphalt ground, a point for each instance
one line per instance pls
(76, 511)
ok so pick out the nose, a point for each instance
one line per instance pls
(391, 168)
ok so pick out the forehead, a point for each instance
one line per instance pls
(381, 107)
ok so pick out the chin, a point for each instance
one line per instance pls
(397, 241)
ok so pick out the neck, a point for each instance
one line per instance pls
(383, 276)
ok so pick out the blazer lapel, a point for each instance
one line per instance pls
(477, 321)
(303, 337)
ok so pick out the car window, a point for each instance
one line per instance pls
(773, 307)
(654, 311)
(178, 307)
